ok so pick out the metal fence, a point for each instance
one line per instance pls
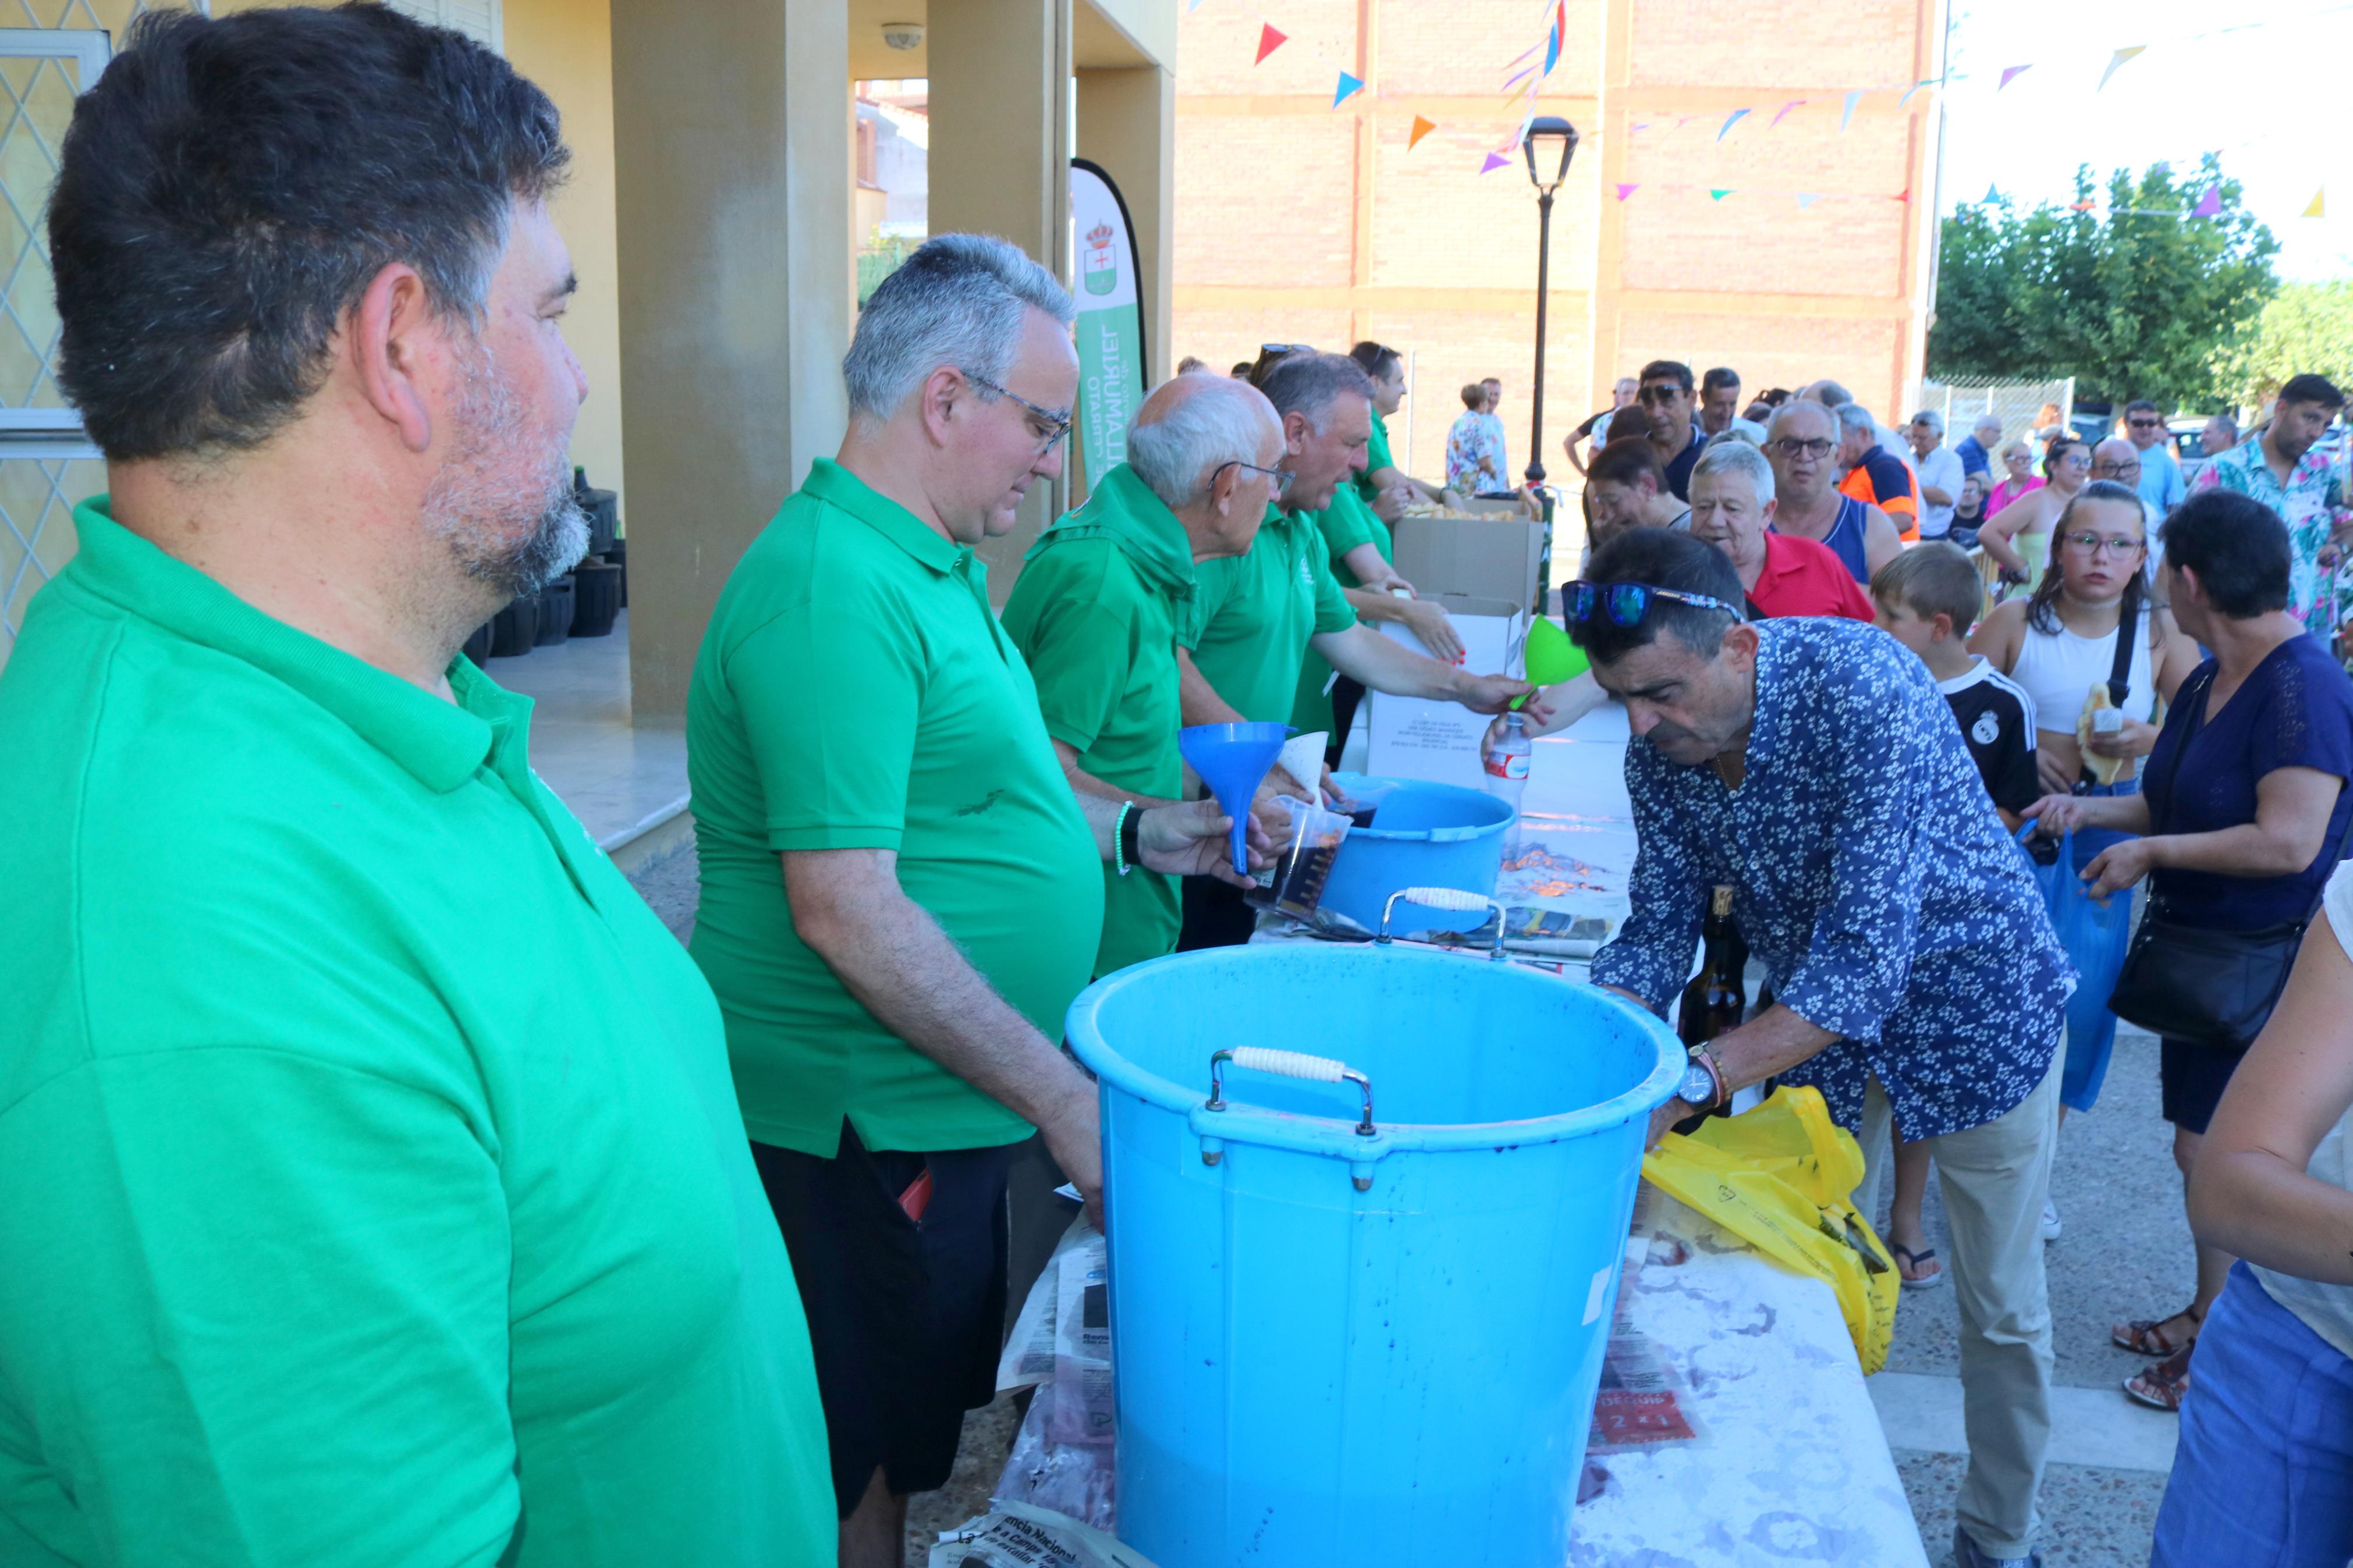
(2014, 403)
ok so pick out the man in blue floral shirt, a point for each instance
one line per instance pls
(1811, 765)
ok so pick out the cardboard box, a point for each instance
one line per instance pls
(1419, 738)
(1483, 557)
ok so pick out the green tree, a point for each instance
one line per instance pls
(2138, 303)
(2307, 327)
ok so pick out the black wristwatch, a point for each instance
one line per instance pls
(1131, 837)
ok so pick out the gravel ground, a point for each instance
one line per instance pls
(2125, 1254)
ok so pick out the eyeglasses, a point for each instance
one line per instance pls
(1627, 603)
(1278, 479)
(2118, 470)
(1665, 392)
(2145, 423)
(1057, 425)
(2092, 543)
(1265, 349)
(1800, 447)
(2077, 461)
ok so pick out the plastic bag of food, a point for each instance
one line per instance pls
(1012, 1535)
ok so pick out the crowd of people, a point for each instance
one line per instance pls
(359, 1227)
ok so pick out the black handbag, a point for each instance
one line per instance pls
(2186, 982)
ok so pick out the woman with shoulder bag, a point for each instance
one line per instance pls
(2243, 814)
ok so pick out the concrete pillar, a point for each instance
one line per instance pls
(731, 138)
(1127, 127)
(1000, 113)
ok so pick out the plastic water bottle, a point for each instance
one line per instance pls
(1507, 769)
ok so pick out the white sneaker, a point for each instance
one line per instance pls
(2050, 1220)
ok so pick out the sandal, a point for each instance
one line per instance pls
(1907, 1258)
(2163, 1386)
(2145, 1336)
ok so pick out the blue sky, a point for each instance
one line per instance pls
(2268, 97)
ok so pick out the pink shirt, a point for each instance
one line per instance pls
(2010, 490)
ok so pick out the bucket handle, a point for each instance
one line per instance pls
(1444, 899)
(1288, 1064)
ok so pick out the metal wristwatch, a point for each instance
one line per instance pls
(1697, 1088)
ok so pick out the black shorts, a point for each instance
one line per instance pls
(1214, 915)
(2192, 1078)
(905, 1320)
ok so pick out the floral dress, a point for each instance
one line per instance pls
(1474, 454)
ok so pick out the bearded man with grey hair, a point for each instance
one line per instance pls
(900, 892)
(1100, 594)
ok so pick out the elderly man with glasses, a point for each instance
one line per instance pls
(900, 887)
(1802, 443)
(1812, 766)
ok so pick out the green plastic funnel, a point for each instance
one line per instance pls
(1551, 657)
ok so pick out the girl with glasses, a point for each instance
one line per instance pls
(2017, 536)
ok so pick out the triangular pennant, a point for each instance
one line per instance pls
(2319, 207)
(1992, 196)
(1269, 40)
(2119, 58)
(1808, 198)
(1495, 161)
(2082, 206)
(1191, 6)
(1625, 191)
(1783, 112)
(1717, 196)
(1349, 85)
(1851, 100)
(1422, 127)
(1915, 86)
(1559, 30)
(1730, 120)
(2210, 205)
(2010, 72)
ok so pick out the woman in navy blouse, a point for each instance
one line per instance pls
(2243, 809)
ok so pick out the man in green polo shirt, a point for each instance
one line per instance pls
(378, 1191)
(860, 723)
(1096, 608)
(1256, 616)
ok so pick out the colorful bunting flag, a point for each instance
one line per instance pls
(1269, 40)
(1625, 191)
(1559, 28)
(1422, 127)
(1493, 161)
(1992, 196)
(1717, 196)
(1349, 85)
(2010, 72)
(1778, 115)
(2210, 205)
(1730, 120)
(2119, 58)
(2319, 207)
(1913, 88)
(1851, 100)
(1808, 198)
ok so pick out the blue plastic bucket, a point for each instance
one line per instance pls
(1375, 1350)
(1422, 836)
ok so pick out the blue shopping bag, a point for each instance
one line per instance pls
(2094, 936)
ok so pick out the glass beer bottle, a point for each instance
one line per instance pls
(1716, 998)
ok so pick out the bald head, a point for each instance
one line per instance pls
(2116, 458)
(1802, 475)
(1195, 424)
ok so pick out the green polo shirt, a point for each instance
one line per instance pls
(854, 691)
(378, 1193)
(1252, 614)
(1095, 615)
(1347, 522)
(1377, 457)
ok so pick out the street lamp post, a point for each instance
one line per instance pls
(1551, 132)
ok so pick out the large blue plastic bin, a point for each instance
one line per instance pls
(1379, 1351)
(1423, 835)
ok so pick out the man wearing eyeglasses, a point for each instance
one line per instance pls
(2160, 483)
(2121, 462)
(1813, 767)
(1800, 443)
(1256, 617)
(859, 721)
(1096, 611)
(1664, 396)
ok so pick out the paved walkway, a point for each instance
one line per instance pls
(2125, 1254)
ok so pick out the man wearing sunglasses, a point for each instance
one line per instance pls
(2160, 483)
(1812, 765)
(1664, 396)
(861, 723)
(1256, 617)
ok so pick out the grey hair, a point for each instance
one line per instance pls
(1782, 414)
(1831, 394)
(1224, 421)
(1737, 457)
(1310, 383)
(1855, 416)
(1985, 421)
(958, 299)
(1931, 418)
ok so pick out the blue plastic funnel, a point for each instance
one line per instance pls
(1232, 760)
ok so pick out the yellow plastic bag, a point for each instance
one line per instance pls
(1781, 1177)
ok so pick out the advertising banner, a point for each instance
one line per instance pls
(1112, 371)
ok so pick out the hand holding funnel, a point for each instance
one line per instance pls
(1551, 657)
(1232, 760)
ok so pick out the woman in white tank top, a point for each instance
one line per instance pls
(2061, 643)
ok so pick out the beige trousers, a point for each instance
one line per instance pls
(1994, 1179)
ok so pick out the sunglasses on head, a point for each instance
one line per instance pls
(1627, 603)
